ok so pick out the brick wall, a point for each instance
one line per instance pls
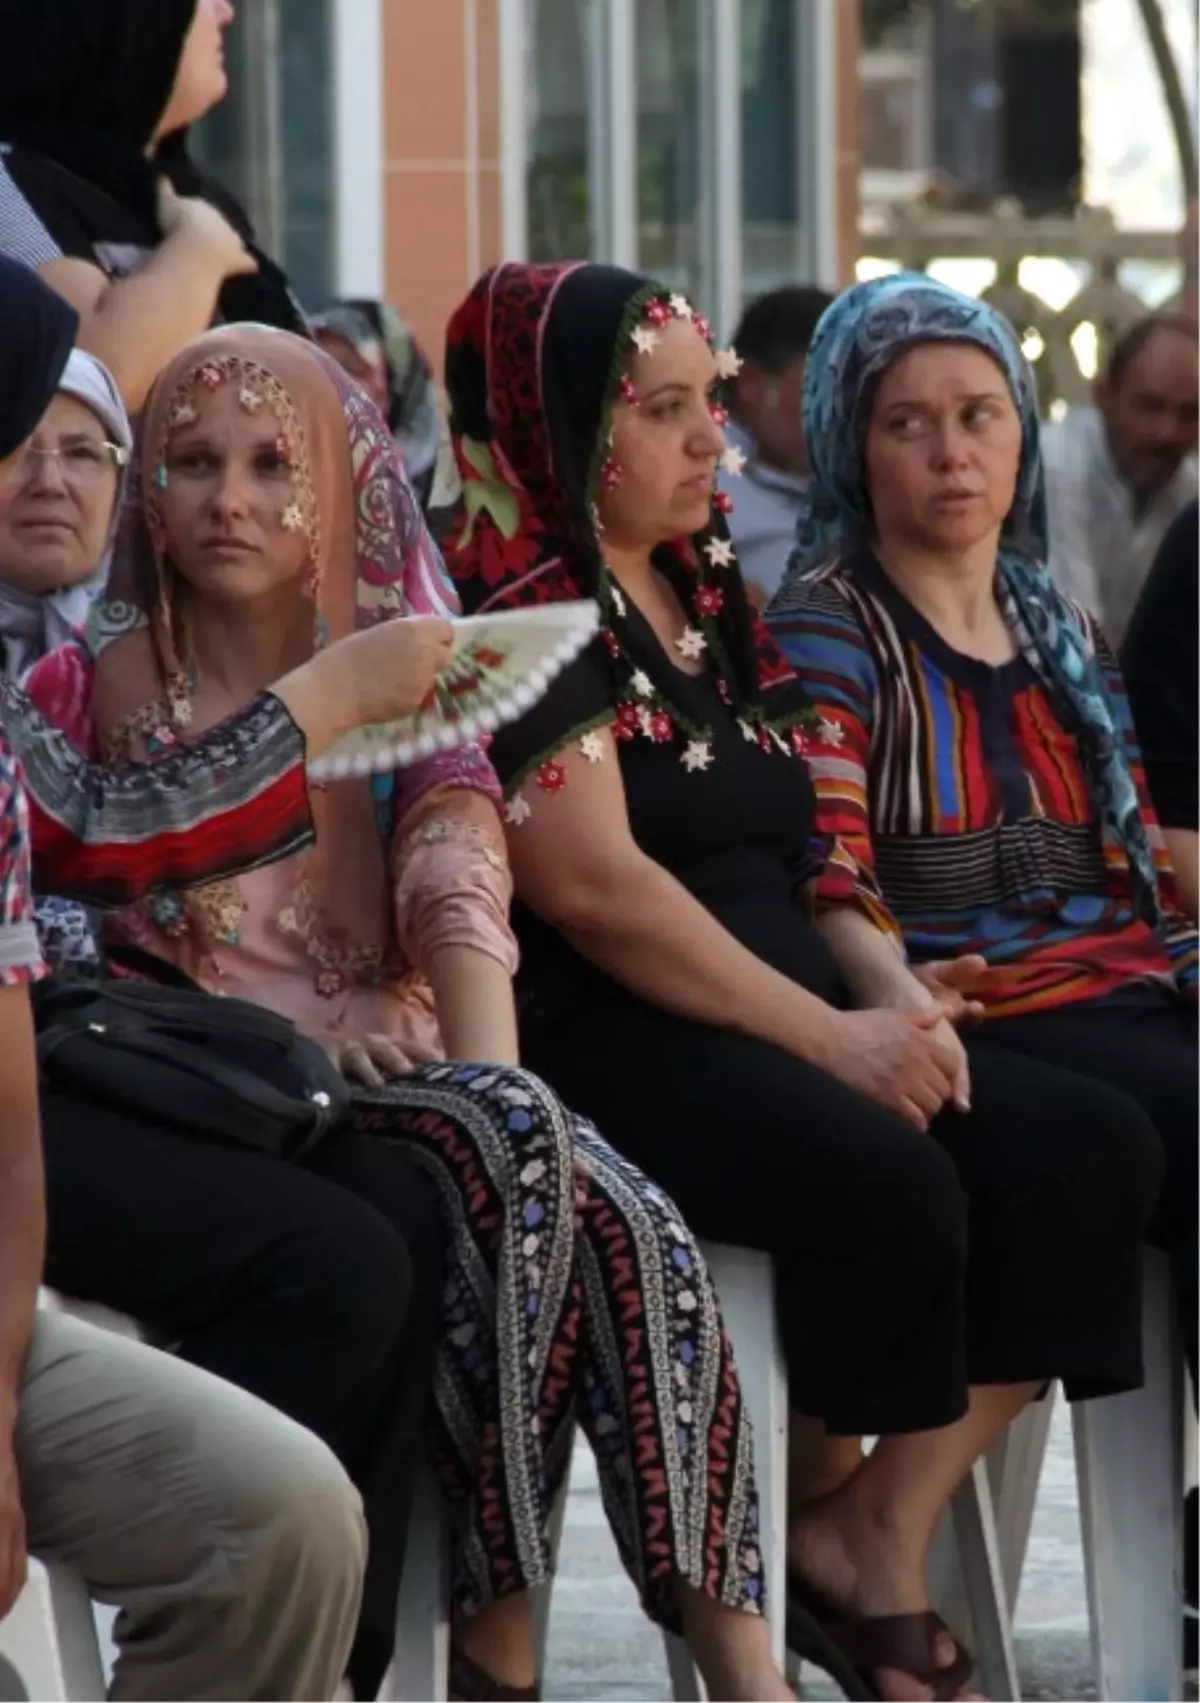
(442, 192)
(442, 196)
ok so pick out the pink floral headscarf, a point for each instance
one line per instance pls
(370, 558)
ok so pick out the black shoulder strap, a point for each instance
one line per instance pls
(148, 964)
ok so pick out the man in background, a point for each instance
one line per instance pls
(1118, 473)
(766, 427)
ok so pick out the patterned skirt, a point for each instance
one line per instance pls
(576, 1294)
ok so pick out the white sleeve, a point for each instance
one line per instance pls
(23, 236)
(1071, 565)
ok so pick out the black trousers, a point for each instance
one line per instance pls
(1005, 1246)
(317, 1288)
(1142, 1048)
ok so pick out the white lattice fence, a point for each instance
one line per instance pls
(914, 236)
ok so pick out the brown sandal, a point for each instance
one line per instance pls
(905, 1642)
(469, 1683)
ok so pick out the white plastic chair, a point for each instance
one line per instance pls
(419, 1670)
(743, 1281)
(48, 1645)
(745, 1286)
(1129, 1466)
(1129, 1463)
(49, 1648)
(420, 1666)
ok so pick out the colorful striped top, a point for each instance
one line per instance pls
(20, 954)
(235, 799)
(959, 807)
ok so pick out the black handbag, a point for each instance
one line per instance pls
(167, 1051)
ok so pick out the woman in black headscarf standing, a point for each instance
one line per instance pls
(98, 192)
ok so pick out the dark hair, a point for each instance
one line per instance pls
(1130, 343)
(777, 329)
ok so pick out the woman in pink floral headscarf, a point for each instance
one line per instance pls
(277, 518)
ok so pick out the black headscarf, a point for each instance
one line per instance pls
(536, 361)
(37, 332)
(83, 85)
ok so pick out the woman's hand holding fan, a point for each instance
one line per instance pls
(368, 678)
(494, 669)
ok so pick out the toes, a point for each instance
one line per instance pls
(900, 1687)
(945, 1650)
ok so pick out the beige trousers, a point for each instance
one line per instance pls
(229, 1537)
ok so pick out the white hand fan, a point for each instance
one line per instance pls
(501, 665)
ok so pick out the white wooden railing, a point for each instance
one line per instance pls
(915, 235)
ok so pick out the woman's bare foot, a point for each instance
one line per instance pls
(732, 1649)
(863, 1567)
(499, 1639)
(818, 1464)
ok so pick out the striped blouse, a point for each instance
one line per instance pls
(234, 800)
(20, 954)
(958, 806)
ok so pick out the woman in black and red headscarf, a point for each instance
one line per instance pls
(98, 192)
(676, 988)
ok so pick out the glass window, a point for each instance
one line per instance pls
(233, 142)
(271, 140)
(771, 244)
(306, 53)
(670, 210)
(890, 115)
(559, 147)
(895, 113)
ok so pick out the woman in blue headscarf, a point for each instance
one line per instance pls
(976, 758)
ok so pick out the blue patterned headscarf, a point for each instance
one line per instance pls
(863, 333)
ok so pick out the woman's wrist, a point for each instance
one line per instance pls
(905, 994)
(319, 714)
(809, 1029)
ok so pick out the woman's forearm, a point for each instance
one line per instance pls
(1184, 847)
(648, 932)
(22, 1196)
(473, 996)
(136, 324)
(870, 961)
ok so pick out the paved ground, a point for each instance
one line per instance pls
(601, 1647)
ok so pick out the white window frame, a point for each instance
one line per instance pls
(913, 65)
(611, 48)
(721, 160)
(816, 84)
(260, 101)
(611, 55)
(513, 23)
(359, 149)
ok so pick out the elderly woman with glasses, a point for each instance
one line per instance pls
(60, 499)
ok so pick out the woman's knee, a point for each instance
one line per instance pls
(910, 1196)
(1063, 1154)
(345, 1269)
(524, 1110)
(1115, 1167)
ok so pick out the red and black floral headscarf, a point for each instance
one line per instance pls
(536, 360)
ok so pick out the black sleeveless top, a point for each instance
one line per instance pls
(737, 833)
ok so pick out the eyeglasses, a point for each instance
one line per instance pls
(84, 463)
